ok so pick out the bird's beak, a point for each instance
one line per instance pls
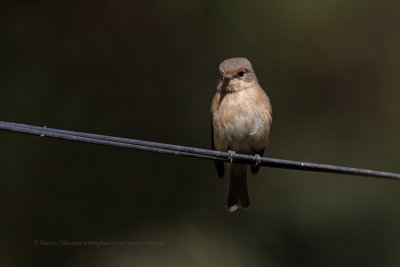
(226, 77)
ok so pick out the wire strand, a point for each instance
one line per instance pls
(187, 151)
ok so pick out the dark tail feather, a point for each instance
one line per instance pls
(255, 169)
(220, 168)
(238, 196)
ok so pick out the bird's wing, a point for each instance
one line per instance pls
(218, 164)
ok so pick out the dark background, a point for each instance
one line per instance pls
(148, 70)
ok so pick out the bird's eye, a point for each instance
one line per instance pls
(241, 73)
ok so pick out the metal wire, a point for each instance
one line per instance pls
(187, 151)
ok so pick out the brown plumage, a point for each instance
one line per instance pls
(240, 122)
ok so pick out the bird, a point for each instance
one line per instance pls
(241, 117)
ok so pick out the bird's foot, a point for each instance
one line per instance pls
(232, 156)
(257, 159)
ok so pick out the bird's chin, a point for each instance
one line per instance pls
(231, 86)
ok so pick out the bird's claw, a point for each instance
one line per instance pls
(257, 159)
(232, 156)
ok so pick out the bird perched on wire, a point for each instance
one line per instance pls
(240, 123)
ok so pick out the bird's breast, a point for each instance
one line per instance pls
(241, 121)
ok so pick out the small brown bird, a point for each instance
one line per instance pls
(240, 122)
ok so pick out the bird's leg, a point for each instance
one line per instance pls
(232, 155)
(257, 160)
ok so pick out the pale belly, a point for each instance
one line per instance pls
(241, 126)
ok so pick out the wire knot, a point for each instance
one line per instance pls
(42, 135)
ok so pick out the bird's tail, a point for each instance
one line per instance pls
(238, 196)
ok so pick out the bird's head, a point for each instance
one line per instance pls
(236, 74)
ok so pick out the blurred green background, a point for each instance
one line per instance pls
(148, 70)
